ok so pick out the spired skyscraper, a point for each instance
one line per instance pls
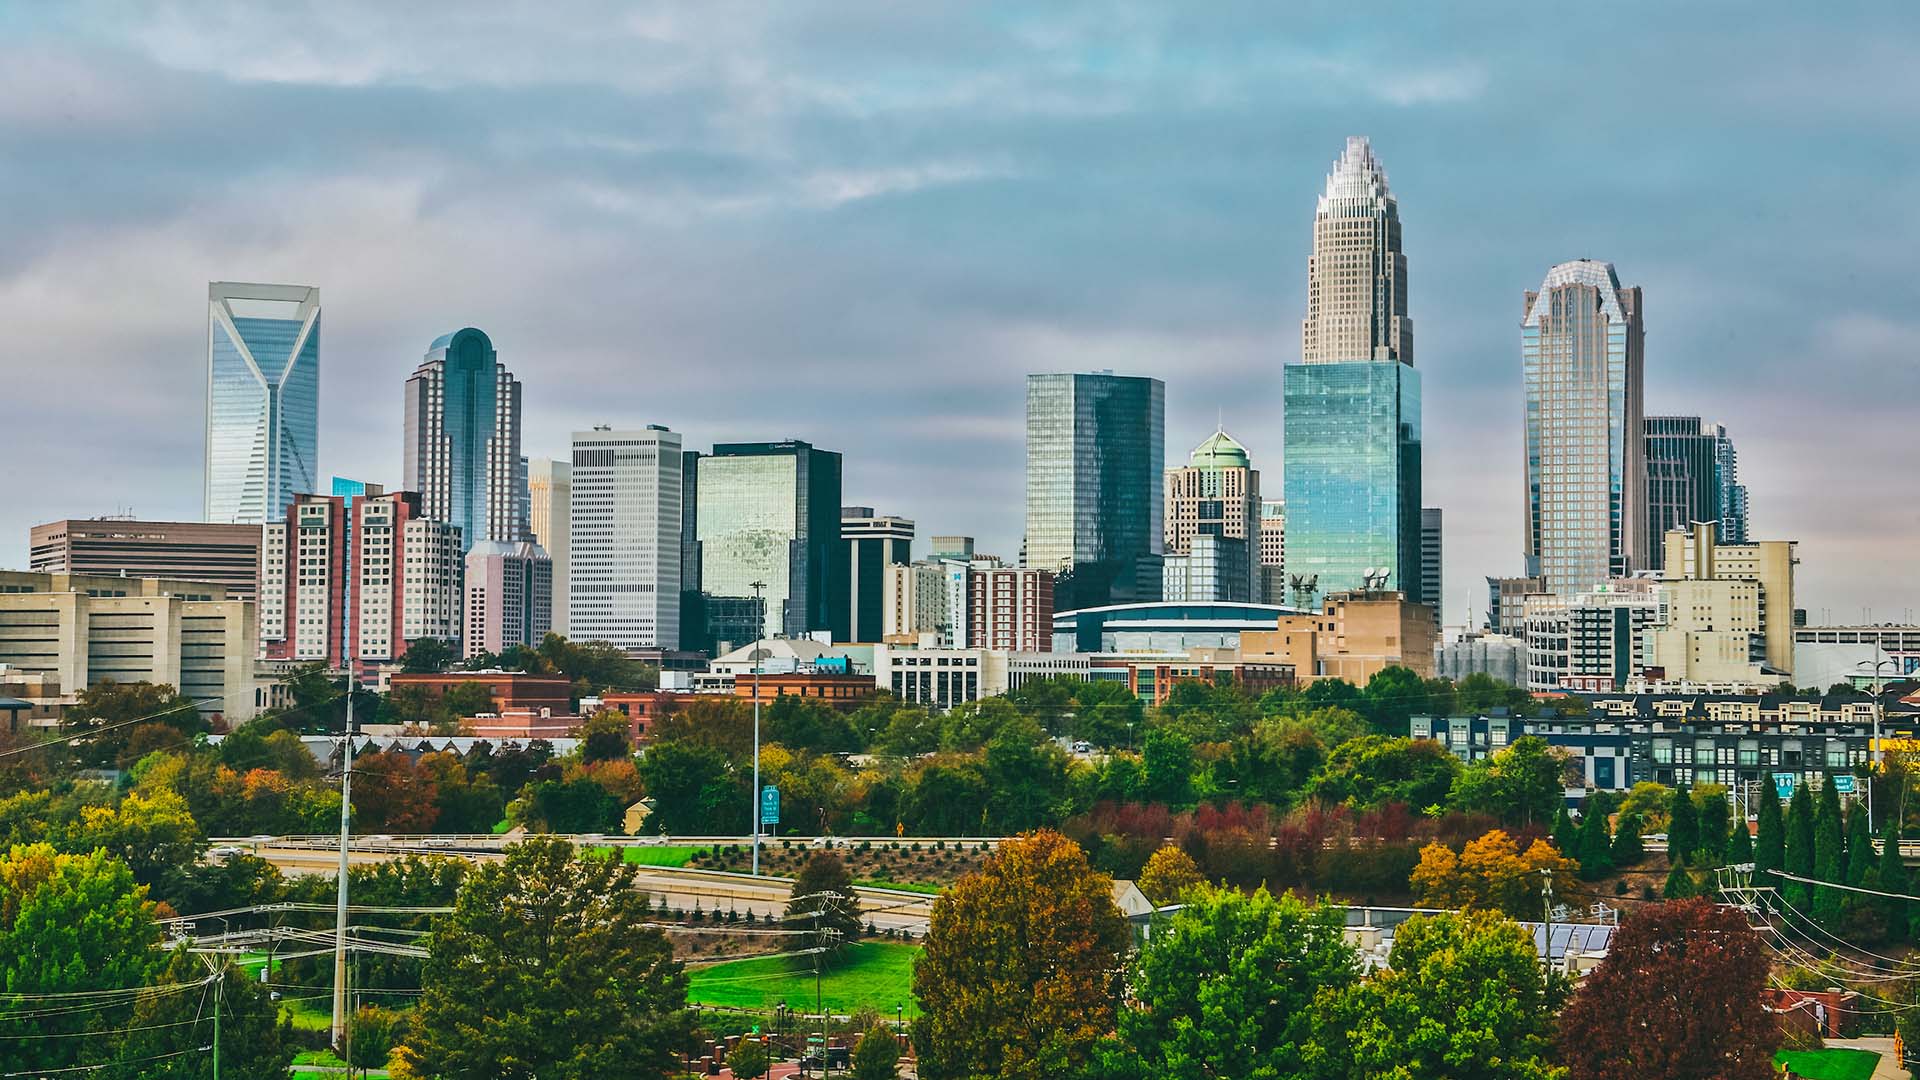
(1351, 472)
(263, 399)
(462, 451)
(1582, 342)
(1096, 448)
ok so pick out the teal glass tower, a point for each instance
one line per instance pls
(1096, 449)
(462, 450)
(1351, 473)
(263, 399)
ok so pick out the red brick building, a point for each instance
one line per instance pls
(846, 692)
(512, 690)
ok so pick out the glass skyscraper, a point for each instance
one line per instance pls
(462, 443)
(263, 399)
(768, 512)
(1351, 475)
(1096, 449)
(1582, 343)
(623, 532)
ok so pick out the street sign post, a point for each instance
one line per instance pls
(769, 805)
(1783, 784)
(1843, 785)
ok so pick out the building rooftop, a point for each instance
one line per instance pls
(1219, 451)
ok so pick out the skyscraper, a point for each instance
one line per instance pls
(624, 535)
(1351, 470)
(869, 543)
(509, 597)
(1273, 552)
(769, 512)
(1096, 448)
(1690, 477)
(1733, 493)
(549, 502)
(1431, 518)
(1582, 342)
(1213, 502)
(462, 451)
(263, 399)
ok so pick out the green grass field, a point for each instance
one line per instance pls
(876, 975)
(1841, 1063)
(654, 856)
(903, 886)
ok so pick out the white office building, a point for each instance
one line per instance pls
(624, 534)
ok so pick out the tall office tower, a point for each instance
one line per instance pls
(624, 528)
(462, 451)
(263, 399)
(549, 502)
(1430, 560)
(1096, 448)
(1583, 343)
(1273, 551)
(509, 595)
(1733, 493)
(1216, 494)
(225, 555)
(869, 544)
(770, 512)
(1010, 609)
(1507, 603)
(695, 634)
(338, 594)
(1351, 471)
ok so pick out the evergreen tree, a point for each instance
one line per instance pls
(1565, 834)
(1799, 847)
(1683, 827)
(1770, 846)
(1829, 856)
(1627, 849)
(1860, 860)
(1893, 878)
(1679, 884)
(1715, 825)
(1740, 842)
(1595, 847)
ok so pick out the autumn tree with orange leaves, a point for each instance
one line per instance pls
(1022, 965)
(1491, 873)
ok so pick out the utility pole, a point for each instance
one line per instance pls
(1547, 936)
(753, 801)
(340, 902)
(219, 988)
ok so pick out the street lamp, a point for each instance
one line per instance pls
(1873, 755)
(759, 628)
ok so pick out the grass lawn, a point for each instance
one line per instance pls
(878, 975)
(904, 886)
(653, 856)
(1840, 1063)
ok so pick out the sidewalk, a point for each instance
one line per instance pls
(1889, 1067)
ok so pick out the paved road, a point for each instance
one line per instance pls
(710, 890)
(1889, 1066)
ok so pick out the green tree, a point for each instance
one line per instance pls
(69, 925)
(108, 714)
(1021, 967)
(1649, 802)
(1169, 873)
(1860, 861)
(748, 1060)
(372, 1035)
(1892, 878)
(1770, 842)
(1595, 853)
(1374, 770)
(1566, 835)
(877, 1057)
(1799, 849)
(1740, 841)
(256, 1042)
(1829, 856)
(823, 902)
(1627, 848)
(1226, 988)
(546, 968)
(1683, 827)
(1169, 768)
(694, 790)
(1463, 998)
(1392, 696)
(1679, 884)
(605, 736)
(427, 656)
(1521, 785)
(1716, 823)
(464, 700)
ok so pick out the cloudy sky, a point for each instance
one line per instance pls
(862, 223)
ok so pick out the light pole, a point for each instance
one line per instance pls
(340, 901)
(759, 628)
(1873, 755)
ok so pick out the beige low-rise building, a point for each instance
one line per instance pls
(1353, 637)
(1765, 566)
(78, 630)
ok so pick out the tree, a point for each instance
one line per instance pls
(1683, 827)
(1491, 872)
(1769, 844)
(694, 790)
(1892, 878)
(392, 795)
(1860, 857)
(1021, 966)
(1829, 857)
(1716, 823)
(1521, 785)
(1649, 802)
(1681, 995)
(1373, 770)
(69, 925)
(1595, 853)
(1226, 987)
(604, 736)
(1169, 873)
(1566, 835)
(1680, 884)
(256, 1042)
(427, 656)
(576, 805)
(1740, 841)
(464, 700)
(1169, 768)
(823, 902)
(546, 968)
(749, 1059)
(109, 713)
(1392, 696)
(1463, 997)
(1627, 848)
(1799, 849)
(372, 1035)
(877, 1057)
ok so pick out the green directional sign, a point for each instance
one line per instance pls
(769, 805)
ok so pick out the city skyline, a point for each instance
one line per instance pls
(1194, 282)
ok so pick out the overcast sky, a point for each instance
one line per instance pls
(862, 225)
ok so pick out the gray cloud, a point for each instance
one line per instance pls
(863, 223)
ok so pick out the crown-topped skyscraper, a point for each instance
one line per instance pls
(1351, 474)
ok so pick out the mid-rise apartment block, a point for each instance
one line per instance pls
(509, 597)
(549, 504)
(1010, 609)
(1354, 636)
(224, 555)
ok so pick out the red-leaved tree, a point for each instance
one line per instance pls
(1679, 996)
